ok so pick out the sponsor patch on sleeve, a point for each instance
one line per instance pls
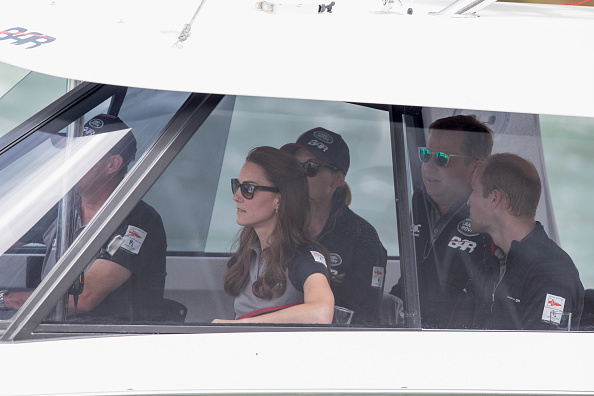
(319, 257)
(553, 309)
(377, 278)
(133, 239)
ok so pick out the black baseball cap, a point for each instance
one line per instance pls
(103, 123)
(325, 145)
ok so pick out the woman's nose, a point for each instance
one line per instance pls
(237, 196)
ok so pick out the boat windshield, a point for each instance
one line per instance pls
(49, 174)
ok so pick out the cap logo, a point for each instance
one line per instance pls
(96, 123)
(465, 229)
(319, 145)
(88, 131)
(324, 137)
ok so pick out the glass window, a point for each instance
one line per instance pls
(202, 224)
(484, 231)
(241, 124)
(16, 102)
(56, 179)
(568, 146)
(275, 122)
(431, 258)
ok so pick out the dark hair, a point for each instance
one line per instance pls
(343, 194)
(517, 178)
(477, 145)
(290, 233)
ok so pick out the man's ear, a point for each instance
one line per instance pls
(114, 163)
(498, 198)
(475, 164)
(472, 169)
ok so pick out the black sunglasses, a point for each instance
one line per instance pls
(441, 159)
(247, 190)
(311, 168)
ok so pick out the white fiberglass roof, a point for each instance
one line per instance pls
(514, 57)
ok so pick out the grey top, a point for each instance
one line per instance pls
(306, 262)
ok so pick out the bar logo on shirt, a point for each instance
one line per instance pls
(133, 239)
(553, 309)
(462, 244)
(319, 257)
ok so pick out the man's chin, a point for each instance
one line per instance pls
(432, 186)
(434, 193)
(475, 227)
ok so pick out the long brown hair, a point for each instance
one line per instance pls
(343, 194)
(290, 233)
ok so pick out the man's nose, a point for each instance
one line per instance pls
(431, 165)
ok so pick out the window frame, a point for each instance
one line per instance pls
(141, 177)
(26, 324)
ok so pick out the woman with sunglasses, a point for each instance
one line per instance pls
(358, 258)
(278, 274)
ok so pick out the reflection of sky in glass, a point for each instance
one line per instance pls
(275, 122)
(569, 151)
(41, 176)
(17, 103)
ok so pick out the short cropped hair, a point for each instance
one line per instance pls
(477, 145)
(517, 178)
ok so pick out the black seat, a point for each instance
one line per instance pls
(173, 311)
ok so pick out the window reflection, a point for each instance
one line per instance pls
(468, 276)
(54, 184)
(189, 211)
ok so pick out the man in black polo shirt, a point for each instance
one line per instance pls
(125, 282)
(536, 284)
(450, 255)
